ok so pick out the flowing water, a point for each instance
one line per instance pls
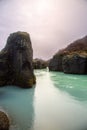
(58, 102)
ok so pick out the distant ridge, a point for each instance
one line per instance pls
(78, 45)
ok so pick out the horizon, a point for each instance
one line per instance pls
(52, 24)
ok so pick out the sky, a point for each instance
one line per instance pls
(52, 24)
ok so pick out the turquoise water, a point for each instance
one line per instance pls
(58, 102)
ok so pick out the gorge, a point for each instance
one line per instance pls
(58, 98)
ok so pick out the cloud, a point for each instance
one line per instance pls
(52, 24)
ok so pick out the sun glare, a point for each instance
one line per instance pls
(43, 6)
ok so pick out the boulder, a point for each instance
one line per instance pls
(16, 61)
(39, 64)
(4, 121)
(75, 64)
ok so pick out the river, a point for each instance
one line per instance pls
(57, 102)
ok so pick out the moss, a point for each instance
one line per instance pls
(24, 81)
(30, 82)
(34, 79)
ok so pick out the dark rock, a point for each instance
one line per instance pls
(4, 121)
(39, 64)
(75, 64)
(55, 64)
(16, 61)
(72, 59)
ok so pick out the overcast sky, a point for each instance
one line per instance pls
(52, 24)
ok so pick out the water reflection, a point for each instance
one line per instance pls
(19, 105)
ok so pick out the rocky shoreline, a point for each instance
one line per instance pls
(72, 59)
(17, 64)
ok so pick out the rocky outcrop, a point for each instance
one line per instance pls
(39, 64)
(4, 121)
(75, 64)
(55, 64)
(16, 61)
(72, 59)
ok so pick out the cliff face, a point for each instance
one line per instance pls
(75, 64)
(55, 63)
(72, 59)
(16, 61)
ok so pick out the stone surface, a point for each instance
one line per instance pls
(72, 59)
(4, 121)
(16, 61)
(55, 64)
(75, 64)
(39, 64)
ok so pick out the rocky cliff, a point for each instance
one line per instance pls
(16, 61)
(75, 64)
(55, 64)
(72, 59)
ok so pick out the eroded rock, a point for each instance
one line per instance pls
(55, 64)
(16, 61)
(72, 59)
(75, 64)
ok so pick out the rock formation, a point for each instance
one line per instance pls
(16, 61)
(4, 121)
(75, 64)
(72, 59)
(39, 64)
(55, 63)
